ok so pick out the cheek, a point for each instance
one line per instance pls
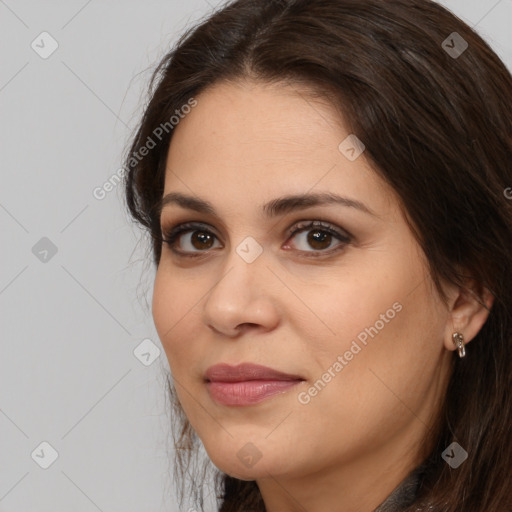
(389, 366)
(163, 307)
(173, 308)
(387, 327)
(362, 303)
(176, 306)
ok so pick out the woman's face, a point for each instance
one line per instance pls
(348, 306)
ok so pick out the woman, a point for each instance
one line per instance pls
(325, 183)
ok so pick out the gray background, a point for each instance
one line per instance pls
(71, 320)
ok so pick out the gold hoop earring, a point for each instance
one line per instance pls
(458, 341)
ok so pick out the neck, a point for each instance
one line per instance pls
(364, 485)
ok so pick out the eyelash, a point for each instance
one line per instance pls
(173, 234)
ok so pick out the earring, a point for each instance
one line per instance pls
(458, 341)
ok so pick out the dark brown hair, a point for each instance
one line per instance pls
(437, 127)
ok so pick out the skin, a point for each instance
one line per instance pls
(244, 144)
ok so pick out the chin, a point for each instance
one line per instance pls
(244, 477)
(261, 466)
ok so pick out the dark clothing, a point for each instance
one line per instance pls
(404, 494)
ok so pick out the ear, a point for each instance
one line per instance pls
(470, 306)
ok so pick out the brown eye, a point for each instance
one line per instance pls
(201, 240)
(191, 238)
(317, 239)
(320, 238)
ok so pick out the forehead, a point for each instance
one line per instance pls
(250, 140)
(232, 118)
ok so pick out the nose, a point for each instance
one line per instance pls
(239, 300)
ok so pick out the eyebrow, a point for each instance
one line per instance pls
(273, 208)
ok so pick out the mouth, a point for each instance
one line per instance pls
(246, 372)
(247, 383)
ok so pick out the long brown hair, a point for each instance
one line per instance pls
(434, 110)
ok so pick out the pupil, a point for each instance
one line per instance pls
(318, 237)
(202, 237)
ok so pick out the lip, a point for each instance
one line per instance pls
(247, 383)
(244, 372)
